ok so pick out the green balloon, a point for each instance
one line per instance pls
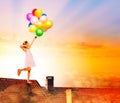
(39, 32)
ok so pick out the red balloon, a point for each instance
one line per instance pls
(33, 12)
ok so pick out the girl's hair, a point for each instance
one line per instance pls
(25, 42)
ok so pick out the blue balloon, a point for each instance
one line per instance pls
(44, 14)
(29, 24)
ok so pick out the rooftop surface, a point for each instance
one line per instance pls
(18, 91)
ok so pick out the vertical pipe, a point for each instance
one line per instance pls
(68, 96)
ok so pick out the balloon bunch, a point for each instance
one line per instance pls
(38, 22)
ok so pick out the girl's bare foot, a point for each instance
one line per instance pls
(18, 72)
(28, 81)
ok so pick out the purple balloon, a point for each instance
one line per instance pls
(28, 16)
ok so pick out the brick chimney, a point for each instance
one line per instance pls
(49, 82)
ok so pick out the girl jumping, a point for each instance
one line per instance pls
(29, 61)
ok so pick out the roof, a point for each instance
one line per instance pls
(18, 91)
(6, 82)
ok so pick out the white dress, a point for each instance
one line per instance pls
(29, 61)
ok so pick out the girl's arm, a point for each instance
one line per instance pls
(23, 48)
(33, 41)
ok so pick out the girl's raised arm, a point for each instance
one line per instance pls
(33, 41)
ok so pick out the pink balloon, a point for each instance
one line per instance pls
(28, 16)
(34, 19)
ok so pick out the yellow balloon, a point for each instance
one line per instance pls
(39, 24)
(48, 24)
(32, 28)
(38, 13)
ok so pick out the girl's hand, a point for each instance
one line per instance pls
(35, 37)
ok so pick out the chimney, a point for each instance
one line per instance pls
(50, 82)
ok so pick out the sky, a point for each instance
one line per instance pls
(83, 42)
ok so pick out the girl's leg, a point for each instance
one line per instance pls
(19, 71)
(29, 70)
(24, 69)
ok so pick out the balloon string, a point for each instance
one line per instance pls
(33, 41)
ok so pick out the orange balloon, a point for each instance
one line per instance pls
(38, 13)
(45, 29)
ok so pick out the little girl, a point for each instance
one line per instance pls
(29, 61)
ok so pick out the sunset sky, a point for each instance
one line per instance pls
(83, 42)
